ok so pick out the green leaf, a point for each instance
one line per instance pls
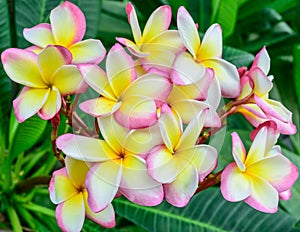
(238, 57)
(297, 71)
(5, 83)
(25, 135)
(29, 14)
(91, 10)
(207, 211)
(292, 205)
(225, 13)
(4, 26)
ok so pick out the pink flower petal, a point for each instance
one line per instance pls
(158, 22)
(186, 71)
(97, 79)
(120, 69)
(188, 31)
(197, 90)
(149, 85)
(141, 141)
(166, 40)
(180, 191)
(77, 171)
(286, 195)
(39, 35)
(264, 196)
(211, 45)
(113, 133)
(188, 109)
(160, 59)
(132, 47)
(252, 113)
(133, 21)
(70, 214)
(262, 144)
(277, 112)
(235, 186)
(102, 183)
(238, 151)
(85, 148)
(105, 218)
(136, 185)
(29, 102)
(21, 66)
(56, 56)
(88, 51)
(262, 61)
(203, 157)
(34, 49)
(192, 131)
(68, 24)
(51, 106)
(170, 128)
(60, 187)
(277, 170)
(99, 107)
(262, 84)
(227, 75)
(136, 112)
(67, 79)
(214, 94)
(161, 165)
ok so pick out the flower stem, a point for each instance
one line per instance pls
(28, 184)
(55, 123)
(211, 180)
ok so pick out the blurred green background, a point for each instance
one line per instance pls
(26, 159)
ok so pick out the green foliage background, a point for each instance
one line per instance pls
(25, 150)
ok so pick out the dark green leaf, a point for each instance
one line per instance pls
(91, 10)
(29, 14)
(292, 205)
(207, 211)
(238, 57)
(5, 83)
(225, 13)
(25, 135)
(297, 71)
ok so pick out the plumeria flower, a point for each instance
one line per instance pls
(133, 101)
(179, 163)
(259, 177)
(190, 67)
(67, 190)
(114, 167)
(46, 77)
(259, 108)
(67, 28)
(156, 46)
(188, 100)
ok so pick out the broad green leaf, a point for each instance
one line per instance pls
(33, 12)
(29, 14)
(292, 205)
(285, 92)
(207, 211)
(5, 83)
(225, 13)
(113, 13)
(91, 10)
(238, 57)
(297, 71)
(5, 106)
(200, 10)
(4, 26)
(25, 135)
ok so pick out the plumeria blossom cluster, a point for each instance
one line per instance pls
(158, 103)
